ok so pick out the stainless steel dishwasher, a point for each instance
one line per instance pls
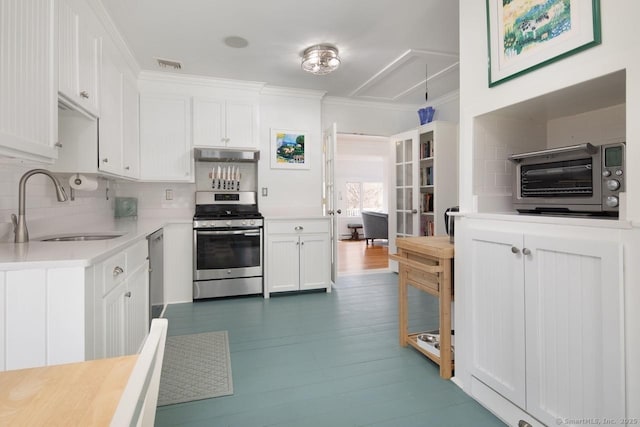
(156, 274)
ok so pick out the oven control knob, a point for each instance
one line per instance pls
(612, 201)
(619, 172)
(252, 222)
(606, 173)
(229, 223)
(613, 184)
(244, 222)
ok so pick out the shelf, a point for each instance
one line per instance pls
(412, 340)
(426, 213)
(427, 186)
(426, 159)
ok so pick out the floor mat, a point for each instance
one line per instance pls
(195, 367)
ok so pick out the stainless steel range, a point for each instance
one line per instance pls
(227, 244)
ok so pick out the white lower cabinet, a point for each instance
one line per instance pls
(124, 302)
(547, 323)
(298, 255)
(50, 316)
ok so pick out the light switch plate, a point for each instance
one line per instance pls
(265, 192)
(168, 194)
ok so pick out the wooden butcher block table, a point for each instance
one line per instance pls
(426, 264)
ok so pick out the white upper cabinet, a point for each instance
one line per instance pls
(110, 142)
(225, 123)
(28, 88)
(78, 52)
(165, 137)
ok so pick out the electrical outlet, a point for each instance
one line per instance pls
(265, 192)
(168, 194)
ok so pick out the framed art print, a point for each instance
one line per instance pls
(524, 35)
(289, 149)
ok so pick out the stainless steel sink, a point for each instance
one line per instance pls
(81, 237)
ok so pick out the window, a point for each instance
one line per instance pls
(365, 196)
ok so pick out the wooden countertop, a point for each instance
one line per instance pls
(435, 246)
(75, 394)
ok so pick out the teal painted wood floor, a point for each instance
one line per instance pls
(318, 359)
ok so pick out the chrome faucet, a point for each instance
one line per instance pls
(20, 223)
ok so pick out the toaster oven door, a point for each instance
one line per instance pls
(562, 185)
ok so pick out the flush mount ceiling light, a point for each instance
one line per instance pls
(320, 59)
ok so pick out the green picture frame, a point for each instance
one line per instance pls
(525, 35)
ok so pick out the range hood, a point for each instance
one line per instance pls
(204, 154)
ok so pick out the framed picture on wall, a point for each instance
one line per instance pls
(289, 149)
(524, 35)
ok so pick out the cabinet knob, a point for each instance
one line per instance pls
(301, 243)
(299, 228)
(526, 251)
(105, 160)
(84, 94)
(118, 270)
(523, 423)
(127, 168)
(515, 250)
(414, 211)
(58, 144)
(339, 211)
(127, 294)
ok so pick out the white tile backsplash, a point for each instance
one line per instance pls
(43, 211)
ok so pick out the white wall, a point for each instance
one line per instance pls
(618, 51)
(291, 192)
(615, 53)
(152, 198)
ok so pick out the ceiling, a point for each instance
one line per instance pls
(385, 45)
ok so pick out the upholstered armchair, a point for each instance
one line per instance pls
(375, 225)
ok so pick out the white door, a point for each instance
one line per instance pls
(497, 312)
(574, 336)
(329, 193)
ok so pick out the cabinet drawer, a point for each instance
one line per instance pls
(113, 271)
(426, 280)
(307, 226)
(137, 255)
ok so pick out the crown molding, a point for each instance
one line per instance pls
(196, 80)
(292, 92)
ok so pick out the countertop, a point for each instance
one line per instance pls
(38, 254)
(85, 393)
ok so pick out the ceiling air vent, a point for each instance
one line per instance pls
(168, 63)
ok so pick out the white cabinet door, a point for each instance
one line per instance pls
(114, 312)
(165, 138)
(284, 266)
(314, 259)
(78, 49)
(130, 117)
(208, 122)
(28, 83)
(574, 336)
(137, 308)
(241, 123)
(224, 123)
(497, 312)
(110, 128)
(88, 50)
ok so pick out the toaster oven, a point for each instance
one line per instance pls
(576, 179)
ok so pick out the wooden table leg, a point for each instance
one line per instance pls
(445, 320)
(402, 306)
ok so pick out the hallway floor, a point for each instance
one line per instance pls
(318, 359)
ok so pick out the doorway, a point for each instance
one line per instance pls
(362, 165)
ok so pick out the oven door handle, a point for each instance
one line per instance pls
(229, 233)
